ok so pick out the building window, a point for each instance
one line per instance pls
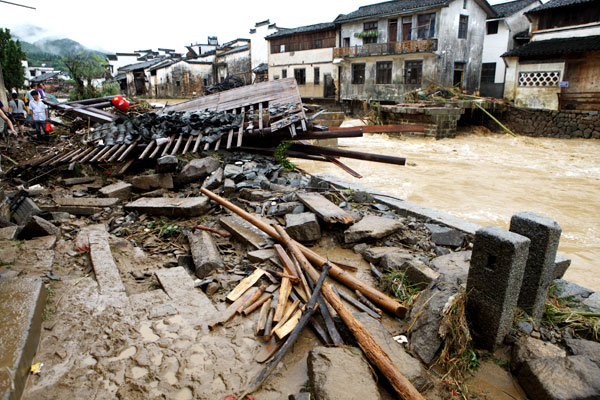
(492, 27)
(318, 44)
(426, 25)
(284, 73)
(346, 42)
(384, 72)
(370, 26)
(358, 74)
(300, 75)
(539, 78)
(317, 79)
(413, 72)
(465, 3)
(407, 28)
(282, 48)
(463, 24)
(488, 72)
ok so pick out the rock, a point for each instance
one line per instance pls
(418, 273)
(593, 302)
(300, 396)
(395, 260)
(425, 318)
(214, 180)
(212, 288)
(568, 378)
(303, 227)
(120, 190)
(166, 164)
(376, 254)
(285, 208)
(584, 347)
(443, 236)
(525, 327)
(154, 181)
(228, 187)
(78, 181)
(231, 171)
(529, 348)
(204, 253)
(186, 207)
(371, 227)
(409, 366)
(454, 266)
(330, 371)
(360, 248)
(361, 197)
(9, 233)
(258, 196)
(197, 169)
(562, 263)
(37, 227)
(566, 289)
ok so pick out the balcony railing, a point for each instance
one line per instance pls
(380, 49)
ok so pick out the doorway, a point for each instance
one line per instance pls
(459, 75)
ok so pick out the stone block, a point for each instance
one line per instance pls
(494, 282)
(544, 234)
(245, 232)
(593, 302)
(454, 267)
(26, 209)
(443, 236)
(371, 227)
(228, 187)
(529, 348)
(22, 302)
(37, 227)
(330, 371)
(86, 202)
(303, 227)
(567, 378)
(79, 181)
(118, 190)
(186, 207)
(584, 347)
(418, 273)
(561, 264)
(300, 396)
(166, 164)
(204, 253)
(153, 181)
(214, 180)
(197, 169)
(232, 171)
(9, 233)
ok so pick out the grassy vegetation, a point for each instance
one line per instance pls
(281, 157)
(398, 285)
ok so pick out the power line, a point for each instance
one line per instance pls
(15, 4)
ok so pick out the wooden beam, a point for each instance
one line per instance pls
(245, 284)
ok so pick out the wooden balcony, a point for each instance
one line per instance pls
(381, 49)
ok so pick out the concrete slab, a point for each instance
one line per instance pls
(246, 232)
(371, 227)
(325, 209)
(105, 268)
(119, 190)
(9, 233)
(79, 181)
(75, 210)
(188, 207)
(179, 286)
(22, 303)
(86, 201)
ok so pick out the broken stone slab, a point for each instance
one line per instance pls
(454, 267)
(197, 169)
(232, 171)
(426, 316)
(245, 232)
(86, 201)
(166, 164)
(118, 190)
(371, 227)
(204, 253)
(303, 227)
(561, 265)
(332, 370)
(228, 187)
(25, 211)
(410, 367)
(256, 195)
(418, 273)
(10, 232)
(593, 302)
(105, 268)
(22, 302)
(444, 236)
(262, 255)
(214, 180)
(74, 210)
(285, 208)
(179, 286)
(528, 348)
(153, 181)
(391, 256)
(570, 290)
(37, 227)
(325, 209)
(185, 207)
(584, 347)
(79, 181)
(567, 378)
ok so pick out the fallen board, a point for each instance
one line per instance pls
(86, 201)
(246, 232)
(187, 207)
(325, 209)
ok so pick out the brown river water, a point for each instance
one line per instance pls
(485, 178)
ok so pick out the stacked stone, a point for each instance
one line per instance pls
(569, 124)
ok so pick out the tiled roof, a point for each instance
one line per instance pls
(163, 64)
(302, 29)
(556, 47)
(559, 3)
(511, 7)
(390, 7)
(140, 65)
(524, 35)
(45, 77)
(234, 50)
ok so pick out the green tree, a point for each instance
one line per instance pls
(83, 68)
(11, 56)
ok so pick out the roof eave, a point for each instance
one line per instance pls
(403, 12)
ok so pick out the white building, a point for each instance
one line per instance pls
(118, 60)
(509, 29)
(259, 49)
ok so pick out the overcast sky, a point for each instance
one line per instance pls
(127, 25)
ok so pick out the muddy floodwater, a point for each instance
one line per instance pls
(486, 178)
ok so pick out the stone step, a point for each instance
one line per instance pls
(21, 306)
(188, 207)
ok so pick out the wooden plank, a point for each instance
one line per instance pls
(284, 293)
(360, 306)
(112, 151)
(168, 146)
(241, 131)
(117, 153)
(271, 313)
(254, 306)
(290, 309)
(126, 153)
(293, 130)
(289, 326)
(245, 284)
(303, 124)
(157, 149)
(260, 116)
(125, 167)
(197, 144)
(233, 308)
(325, 209)
(262, 318)
(187, 145)
(268, 350)
(90, 155)
(147, 150)
(177, 145)
(82, 155)
(230, 134)
(367, 303)
(102, 152)
(335, 336)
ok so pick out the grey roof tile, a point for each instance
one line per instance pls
(559, 3)
(390, 7)
(556, 47)
(302, 29)
(511, 7)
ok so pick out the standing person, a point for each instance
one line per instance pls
(3, 116)
(40, 89)
(17, 109)
(28, 120)
(39, 113)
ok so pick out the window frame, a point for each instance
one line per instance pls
(485, 76)
(495, 23)
(317, 75)
(355, 69)
(284, 73)
(424, 32)
(408, 67)
(383, 74)
(300, 73)
(367, 27)
(463, 26)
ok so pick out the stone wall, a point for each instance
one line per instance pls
(560, 124)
